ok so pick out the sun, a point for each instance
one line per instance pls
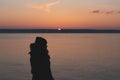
(59, 29)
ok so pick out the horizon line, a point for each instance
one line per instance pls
(58, 31)
(58, 28)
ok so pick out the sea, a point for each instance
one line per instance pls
(74, 56)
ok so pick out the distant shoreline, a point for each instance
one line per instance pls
(57, 31)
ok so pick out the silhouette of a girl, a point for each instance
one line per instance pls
(40, 60)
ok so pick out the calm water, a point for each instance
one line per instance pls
(73, 56)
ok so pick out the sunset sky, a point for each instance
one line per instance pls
(90, 14)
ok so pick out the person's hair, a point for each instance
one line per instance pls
(40, 40)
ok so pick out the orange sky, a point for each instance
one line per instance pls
(98, 14)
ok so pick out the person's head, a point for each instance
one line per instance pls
(41, 41)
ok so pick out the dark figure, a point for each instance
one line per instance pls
(40, 60)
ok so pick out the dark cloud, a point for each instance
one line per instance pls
(105, 12)
(109, 12)
(96, 11)
(118, 12)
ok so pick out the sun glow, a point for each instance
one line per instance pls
(60, 14)
(59, 29)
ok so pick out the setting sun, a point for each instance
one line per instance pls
(59, 29)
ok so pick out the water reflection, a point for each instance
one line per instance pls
(74, 56)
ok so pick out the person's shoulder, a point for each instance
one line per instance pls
(32, 45)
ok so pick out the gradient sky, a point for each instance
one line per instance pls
(93, 14)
